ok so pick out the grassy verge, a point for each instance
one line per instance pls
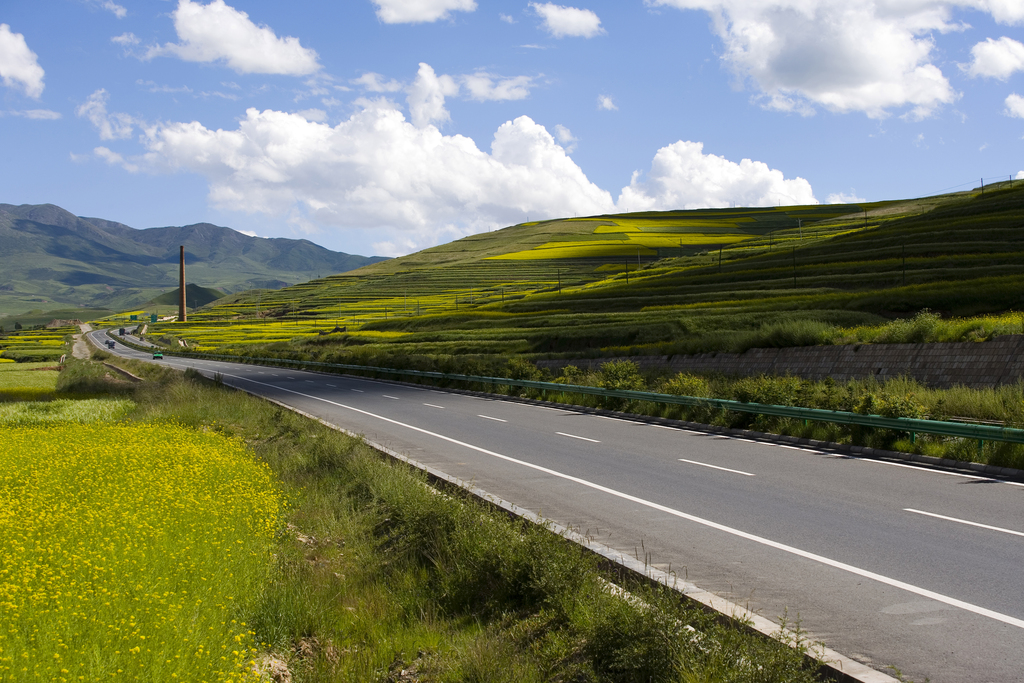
(382, 578)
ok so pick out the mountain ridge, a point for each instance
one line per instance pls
(50, 256)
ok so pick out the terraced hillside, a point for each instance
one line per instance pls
(616, 284)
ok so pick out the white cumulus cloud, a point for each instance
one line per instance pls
(111, 126)
(483, 86)
(1015, 106)
(125, 39)
(117, 10)
(606, 103)
(375, 83)
(683, 177)
(843, 55)
(19, 66)
(219, 33)
(425, 96)
(996, 58)
(115, 159)
(419, 11)
(843, 198)
(565, 138)
(563, 22)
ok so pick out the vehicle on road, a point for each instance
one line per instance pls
(110, 343)
(157, 355)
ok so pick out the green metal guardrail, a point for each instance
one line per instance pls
(912, 426)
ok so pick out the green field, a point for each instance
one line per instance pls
(26, 346)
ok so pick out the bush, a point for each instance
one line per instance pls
(621, 375)
(685, 384)
(922, 327)
(792, 333)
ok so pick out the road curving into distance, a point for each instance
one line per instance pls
(891, 564)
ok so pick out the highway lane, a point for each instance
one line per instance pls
(887, 563)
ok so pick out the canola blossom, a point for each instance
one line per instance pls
(128, 551)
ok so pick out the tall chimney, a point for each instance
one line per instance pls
(181, 288)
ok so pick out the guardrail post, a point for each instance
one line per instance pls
(981, 447)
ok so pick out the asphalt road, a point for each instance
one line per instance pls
(889, 563)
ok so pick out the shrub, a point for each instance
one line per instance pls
(685, 384)
(621, 375)
(921, 328)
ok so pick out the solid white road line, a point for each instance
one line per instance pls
(581, 438)
(433, 406)
(910, 588)
(964, 521)
(617, 419)
(393, 398)
(922, 469)
(716, 467)
(333, 386)
(358, 391)
(488, 417)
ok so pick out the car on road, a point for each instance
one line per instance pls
(157, 355)
(110, 343)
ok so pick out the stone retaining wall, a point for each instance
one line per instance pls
(977, 365)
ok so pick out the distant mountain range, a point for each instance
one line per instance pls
(51, 258)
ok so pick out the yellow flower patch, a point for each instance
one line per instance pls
(127, 551)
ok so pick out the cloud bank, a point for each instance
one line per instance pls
(397, 173)
(843, 55)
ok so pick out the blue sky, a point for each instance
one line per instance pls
(385, 126)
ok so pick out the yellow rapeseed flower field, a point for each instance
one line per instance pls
(128, 551)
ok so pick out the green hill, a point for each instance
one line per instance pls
(617, 284)
(195, 296)
(50, 258)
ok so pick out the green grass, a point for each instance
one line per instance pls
(27, 381)
(23, 413)
(380, 573)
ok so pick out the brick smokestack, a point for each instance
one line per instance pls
(181, 288)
